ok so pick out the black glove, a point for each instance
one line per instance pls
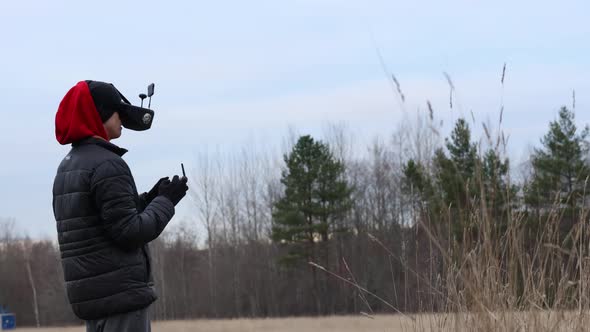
(174, 190)
(150, 195)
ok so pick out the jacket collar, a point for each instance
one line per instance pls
(107, 145)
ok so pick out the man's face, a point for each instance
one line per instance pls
(113, 126)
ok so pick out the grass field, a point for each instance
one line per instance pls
(393, 323)
(524, 321)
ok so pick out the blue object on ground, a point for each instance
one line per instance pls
(8, 321)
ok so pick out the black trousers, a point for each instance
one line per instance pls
(134, 321)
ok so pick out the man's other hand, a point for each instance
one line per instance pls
(155, 190)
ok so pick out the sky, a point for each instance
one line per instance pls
(229, 73)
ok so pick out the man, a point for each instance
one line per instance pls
(103, 225)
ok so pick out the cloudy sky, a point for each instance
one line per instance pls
(230, 72)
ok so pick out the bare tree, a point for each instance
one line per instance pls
(27, 247)
(204, 195)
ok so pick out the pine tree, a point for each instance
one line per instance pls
(459, 181)
(463, 152)
(418, 185)
(455, 173)
(500, 195)
(316, 197)
(560, 167)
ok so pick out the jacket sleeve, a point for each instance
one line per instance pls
(126, 223)
(143, 203)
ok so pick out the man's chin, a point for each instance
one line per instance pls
(118, 135)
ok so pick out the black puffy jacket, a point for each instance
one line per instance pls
(104, 227)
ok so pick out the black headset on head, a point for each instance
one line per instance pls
(134, 117)
(108, 100)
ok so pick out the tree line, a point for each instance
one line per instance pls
(326, 230)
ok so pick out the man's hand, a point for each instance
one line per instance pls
(174, 190)
(150, 195)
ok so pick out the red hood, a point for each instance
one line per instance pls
(77, 117)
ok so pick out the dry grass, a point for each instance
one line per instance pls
(393, 323)
(530, 321)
